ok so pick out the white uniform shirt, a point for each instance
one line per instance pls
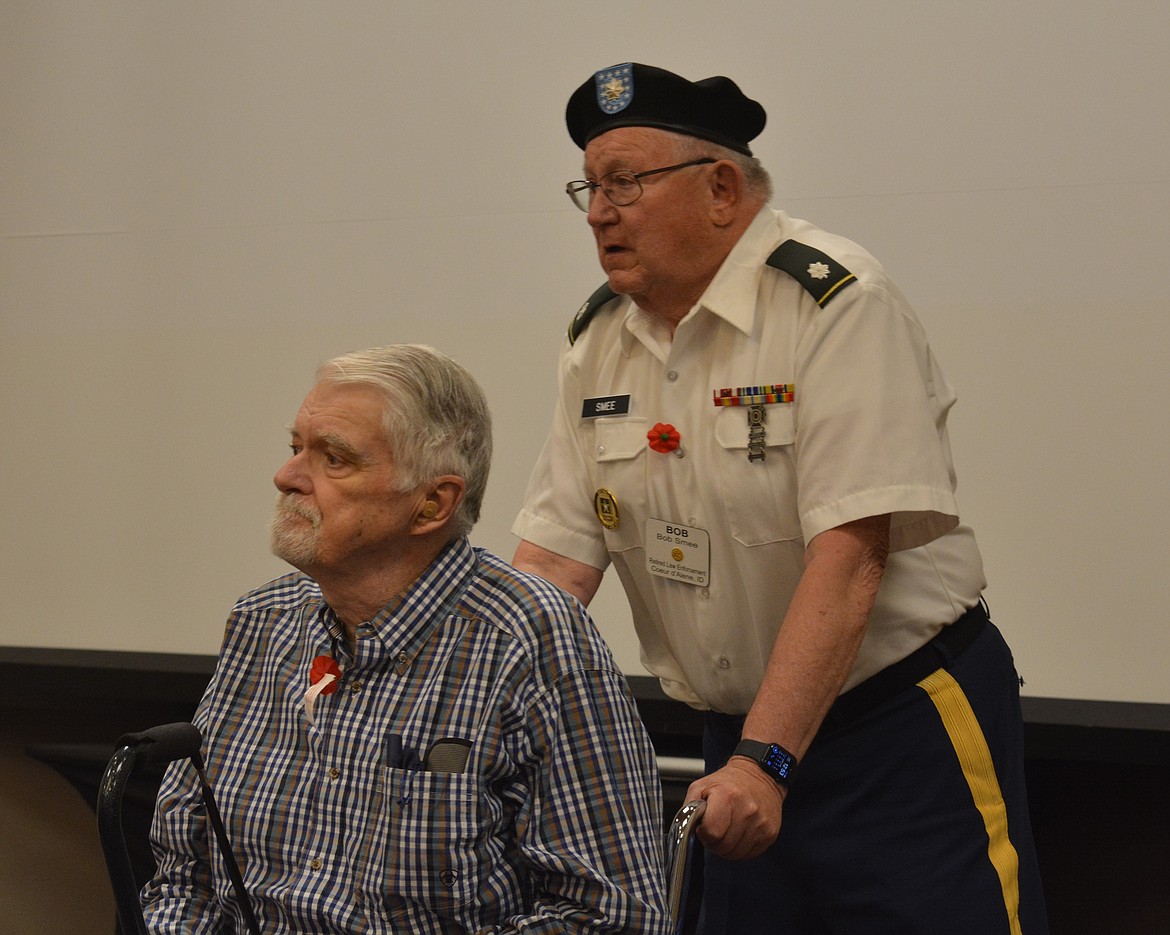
(864, 434)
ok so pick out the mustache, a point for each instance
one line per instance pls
(287, 505)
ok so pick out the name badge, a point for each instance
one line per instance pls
(681, 553)
(605, 406)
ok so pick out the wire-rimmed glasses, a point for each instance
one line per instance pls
(621, 187)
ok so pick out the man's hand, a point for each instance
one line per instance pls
(743, 810)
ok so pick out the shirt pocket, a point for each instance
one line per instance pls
(433, 839)
(618, 442)
(759, 497)
(619, 455)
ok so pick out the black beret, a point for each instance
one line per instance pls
(633, 95)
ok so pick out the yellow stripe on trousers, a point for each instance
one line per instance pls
(975, 759)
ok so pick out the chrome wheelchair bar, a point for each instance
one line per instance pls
(679, 853)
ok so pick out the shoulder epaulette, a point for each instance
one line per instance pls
(585, 314)
(821, 276)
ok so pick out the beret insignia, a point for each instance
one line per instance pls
(615, 88)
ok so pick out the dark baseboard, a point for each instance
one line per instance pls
(69, 679)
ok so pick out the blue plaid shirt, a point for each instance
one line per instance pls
(554, 825)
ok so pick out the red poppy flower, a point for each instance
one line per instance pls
(664, 437)
(323, 666)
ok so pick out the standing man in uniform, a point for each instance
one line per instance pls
(751, 428)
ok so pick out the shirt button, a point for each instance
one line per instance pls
(671, 376)
(355, 688)
(315, 863)
(601, 449)
(724, 662)
(334, 772)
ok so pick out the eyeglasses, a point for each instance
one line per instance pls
(621, 187)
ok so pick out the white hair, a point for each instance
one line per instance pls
(756, 178)
(435, 417)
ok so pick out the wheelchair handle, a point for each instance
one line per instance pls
(680, 847)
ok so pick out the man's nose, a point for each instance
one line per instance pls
(291, 477)
(601, 211)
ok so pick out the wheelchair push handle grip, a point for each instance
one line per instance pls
(160, 745)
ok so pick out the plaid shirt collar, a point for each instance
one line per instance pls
(404, 625)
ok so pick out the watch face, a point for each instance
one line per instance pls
(772, 758)
(778, 762)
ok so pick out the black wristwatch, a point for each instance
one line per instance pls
(772, 758)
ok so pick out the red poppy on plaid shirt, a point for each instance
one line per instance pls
(321, 667)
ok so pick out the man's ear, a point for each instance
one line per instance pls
(727, 187)
(442, 497)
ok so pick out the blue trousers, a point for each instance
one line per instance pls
(911, 819)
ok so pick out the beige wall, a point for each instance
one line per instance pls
(200, 202)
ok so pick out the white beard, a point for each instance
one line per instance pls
(291, 539)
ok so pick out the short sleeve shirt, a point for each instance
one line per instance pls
(854, 426)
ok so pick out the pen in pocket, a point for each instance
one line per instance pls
(392, 750)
